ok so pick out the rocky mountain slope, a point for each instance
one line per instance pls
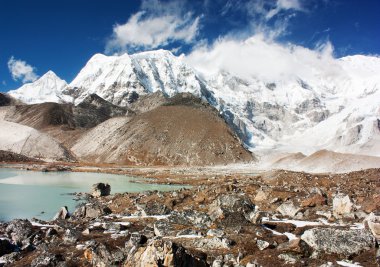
(333, 108)
(91, 112)
(183, 131)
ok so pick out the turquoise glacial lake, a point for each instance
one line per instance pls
(28, 194)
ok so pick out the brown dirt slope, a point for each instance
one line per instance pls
(183, 131)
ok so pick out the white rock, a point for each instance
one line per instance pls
(288, 209)
(342, 206)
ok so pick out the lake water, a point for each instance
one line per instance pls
(28, 194)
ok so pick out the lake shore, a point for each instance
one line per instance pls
(229, 216)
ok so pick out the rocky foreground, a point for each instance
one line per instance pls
(273, 219)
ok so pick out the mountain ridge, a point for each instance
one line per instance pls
(265, 115)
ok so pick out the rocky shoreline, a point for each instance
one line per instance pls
(273, 218)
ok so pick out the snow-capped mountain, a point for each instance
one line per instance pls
(47, 88)
(119, 78)
(338, 108)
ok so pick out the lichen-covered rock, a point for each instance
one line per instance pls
(19, 230)
(342, 206)
(100, 190)
(337, 241)
(190, 217)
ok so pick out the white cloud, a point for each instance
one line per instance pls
(284, 5)
(20, 70)
(157, 24)
(264, 59)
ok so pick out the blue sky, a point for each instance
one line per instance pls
(37, 36)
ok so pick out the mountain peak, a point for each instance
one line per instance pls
(160, 53)
(50, 75)
(48, 88)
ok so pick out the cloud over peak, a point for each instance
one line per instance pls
(265, 59)
(21, 71)
(157, 24)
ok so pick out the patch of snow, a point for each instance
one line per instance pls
(348, 264)
(80, 247)
(290, 236)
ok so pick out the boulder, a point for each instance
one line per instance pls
(372, 222)
(190, 217)
(346, 242)
(295, 245)
(153, 208)
(288, 209)
(19, 230)
(62, 214)
(256, 217)
(100, 190)
(101, 256)
(342, 206)
(231, 210)
(91, 211)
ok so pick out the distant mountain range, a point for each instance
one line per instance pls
(338, 111)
